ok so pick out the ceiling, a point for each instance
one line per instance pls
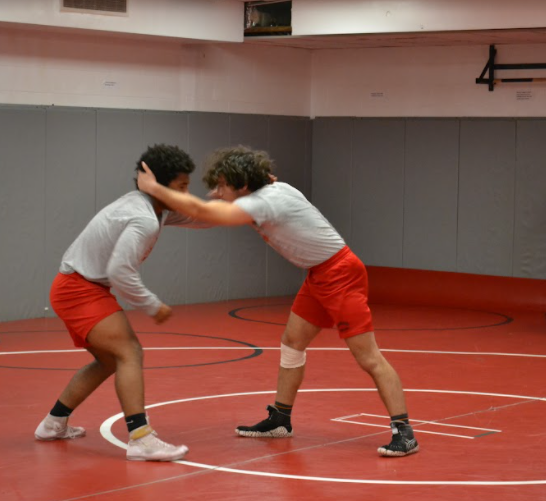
(428, 39)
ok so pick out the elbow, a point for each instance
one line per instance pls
(191, 211)
(113, 276)
(196, 211)
(199, 211)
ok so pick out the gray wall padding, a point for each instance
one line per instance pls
(530, 200)
(464, 195)
(70, 182)
(332, 162)
(430, 194)
(377, 191)
(486, 197)
(23, 213)
(60, 166)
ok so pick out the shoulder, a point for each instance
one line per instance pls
(276, 189)
(285, 187)
(134, 203)
(269, 191)
(135, 210)
(278, 192)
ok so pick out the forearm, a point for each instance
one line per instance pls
(180, 202)
(130, 287)
(214, 212)
(132, 246)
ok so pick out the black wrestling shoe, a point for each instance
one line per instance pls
(277, 425)
(403, 442)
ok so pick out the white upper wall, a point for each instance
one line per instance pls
(81, 69)
(251, 79)
(423, 82)
(325, 17)
(220, 20)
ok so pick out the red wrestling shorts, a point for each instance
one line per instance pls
(335, 294)
(81, 304)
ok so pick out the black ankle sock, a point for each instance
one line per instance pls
(284, 408)
(401, 418)
(60, 410)
(136, 421)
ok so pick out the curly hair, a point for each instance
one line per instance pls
(166, 162)
(240, 166)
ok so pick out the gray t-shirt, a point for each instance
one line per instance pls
(290, 224)
(111, 248)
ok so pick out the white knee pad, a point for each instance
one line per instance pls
(291, 358)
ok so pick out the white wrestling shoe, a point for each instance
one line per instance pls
(151, 448)
(56, 428)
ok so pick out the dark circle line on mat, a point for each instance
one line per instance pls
(505, 319)
(256, 352)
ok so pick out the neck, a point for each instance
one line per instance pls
(158, 206)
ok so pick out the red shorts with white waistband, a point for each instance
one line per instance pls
(81, 304)
(335, 294)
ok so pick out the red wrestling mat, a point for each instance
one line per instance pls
(473, 374)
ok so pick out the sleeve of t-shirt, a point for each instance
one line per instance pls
(133, 245)
(256, 206)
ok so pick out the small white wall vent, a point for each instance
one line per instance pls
(96, 6)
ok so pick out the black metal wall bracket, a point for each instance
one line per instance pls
(490, 68)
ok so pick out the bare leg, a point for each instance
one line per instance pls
(115, 348)
(367, 354)
(115, 337)
(88, 378)
(298, 335)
